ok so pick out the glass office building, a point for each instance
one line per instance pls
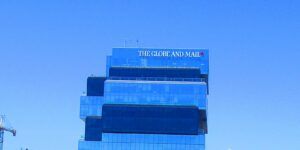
(150, 99)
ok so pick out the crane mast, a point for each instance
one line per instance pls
(1, 139)
(4, 126)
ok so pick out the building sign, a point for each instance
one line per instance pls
(169, 53)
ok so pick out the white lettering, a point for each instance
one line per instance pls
(169, 53)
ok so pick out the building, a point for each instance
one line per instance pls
(150, 99)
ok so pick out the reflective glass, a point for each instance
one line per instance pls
(155, 92)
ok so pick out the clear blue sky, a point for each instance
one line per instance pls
(48, 48)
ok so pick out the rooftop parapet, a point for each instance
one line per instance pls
(164, 58)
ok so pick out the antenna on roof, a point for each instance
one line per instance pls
(125, 43)
(131, 43)
(137, 43)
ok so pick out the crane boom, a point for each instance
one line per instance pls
(5, 127)
(13, 131)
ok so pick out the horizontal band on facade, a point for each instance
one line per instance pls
(146, 119)
(155, 72)
(159, 119)
(99, 145)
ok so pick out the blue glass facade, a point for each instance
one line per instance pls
(149, 99)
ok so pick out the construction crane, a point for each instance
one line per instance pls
(5, 126)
